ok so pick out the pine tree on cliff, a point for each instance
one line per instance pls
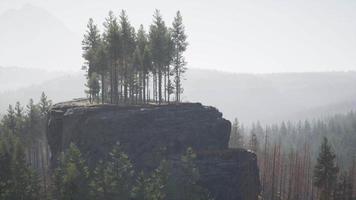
(325, 171)
(101, 64)
(180, 45)
(253, 142)
(159, 46)
(147, 68)
(127, 49)
(93, 86)
(44, 105)
(144, 67)
(112, 39)
(236, 139)
(90, 44)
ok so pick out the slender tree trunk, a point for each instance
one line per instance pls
(120, 88)
(289, 193)
(176, 84)
(354, 178)
(111, 83)
(296, 177)
(137, 88)
(44, 169)
(282, 177)
(179, 87)
(273, 172)
(169, 84)
(165, 85)
(125, 82)
(144, 88)
(154, 88)
(117, 84)
(148, 89)
(160, 85)
(102, 88)
(141, 88)
(264, 168)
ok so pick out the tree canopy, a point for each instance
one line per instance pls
(134, 67)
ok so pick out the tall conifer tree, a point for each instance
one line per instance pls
(180, 45)
(325, 171)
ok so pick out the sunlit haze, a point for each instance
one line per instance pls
(239, 36)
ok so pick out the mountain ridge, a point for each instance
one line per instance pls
(56, 46)
(249, 97)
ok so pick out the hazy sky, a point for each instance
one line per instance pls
(237, 35)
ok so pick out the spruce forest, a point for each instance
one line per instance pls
(310, 159)
(131, 133)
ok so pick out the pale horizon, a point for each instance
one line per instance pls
(241, 37)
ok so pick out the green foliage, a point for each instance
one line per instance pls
(113, 179)
(156, 185)
(20, 120)
(186, 185)
(180, 45)
(236, 137)
(325, 171)
(71, 177)
(93, 87)
(33, 122)
(339, 129)
(158, 40)
(89, 44)
(92, 53)
(112, 37)
(17, 180)
(125, 59)
(9, 120)
(44, 105)
(23, 150)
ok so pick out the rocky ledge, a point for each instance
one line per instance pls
(145, 132)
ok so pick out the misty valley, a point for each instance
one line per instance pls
(121, 113)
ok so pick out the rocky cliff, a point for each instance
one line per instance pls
(147, 132)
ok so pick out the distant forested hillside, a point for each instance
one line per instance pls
(340, 129)
(273, 97)
(288, 151)
(250, 97)
(20, 84)
(13, 78)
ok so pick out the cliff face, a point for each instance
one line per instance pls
(147, 132)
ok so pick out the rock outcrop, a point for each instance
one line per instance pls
(147, 132)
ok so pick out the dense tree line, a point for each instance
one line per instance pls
(24, 151)
(24, 172)
(17, 179)
(128, 66)
(116, 178)
(290, 156)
